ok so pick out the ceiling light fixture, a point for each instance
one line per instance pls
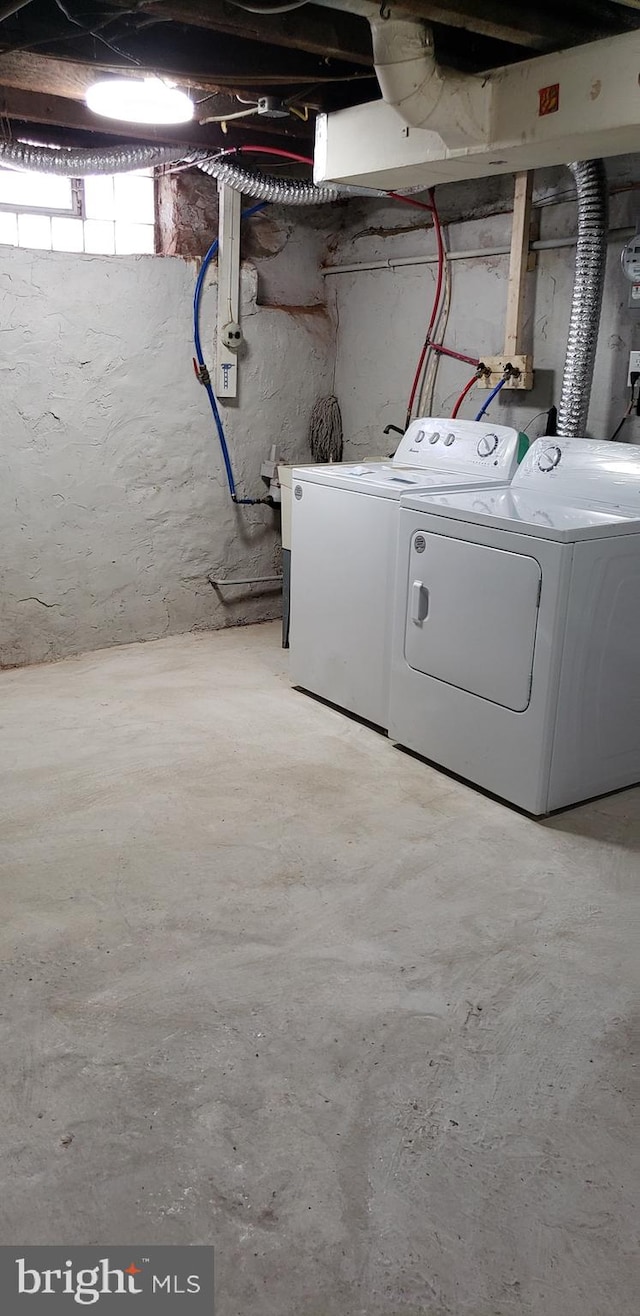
(139, 100)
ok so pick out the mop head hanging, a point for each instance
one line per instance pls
(325, 431)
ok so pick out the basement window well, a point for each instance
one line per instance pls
(100, 215)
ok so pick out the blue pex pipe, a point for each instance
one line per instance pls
(197, 343)
(494, 393)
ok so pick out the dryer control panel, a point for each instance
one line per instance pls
(578, 470)
(467, 446)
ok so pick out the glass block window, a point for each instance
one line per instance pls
(103, 215)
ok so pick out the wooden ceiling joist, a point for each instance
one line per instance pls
(316, 31)
(38, 107)
(319, 53)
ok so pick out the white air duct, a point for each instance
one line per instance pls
(437, 126)
(423, 94)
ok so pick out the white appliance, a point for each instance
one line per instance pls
(516, 642)
(344, 521)
(285, 478)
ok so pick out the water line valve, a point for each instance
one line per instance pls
(516, 369)
(269, 473)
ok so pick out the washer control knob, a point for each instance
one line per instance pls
(549, 457)
(419, 436)
(451, 438)
(487, 445)
(433, 438)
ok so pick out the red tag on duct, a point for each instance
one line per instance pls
(549, 99)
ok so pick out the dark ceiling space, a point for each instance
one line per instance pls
(309, 58)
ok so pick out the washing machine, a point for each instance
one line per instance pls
(343, 538)
(516, 632)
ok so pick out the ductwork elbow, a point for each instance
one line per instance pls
(454, 105)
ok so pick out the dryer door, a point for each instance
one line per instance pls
(471, 617)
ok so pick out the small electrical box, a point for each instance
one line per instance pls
(634, 367)
(231, 336)
(630, 261)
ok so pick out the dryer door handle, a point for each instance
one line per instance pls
(419, 602)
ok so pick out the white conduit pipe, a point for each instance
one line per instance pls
(246, 580)
(477, 253)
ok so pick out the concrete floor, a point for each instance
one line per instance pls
(269, 982)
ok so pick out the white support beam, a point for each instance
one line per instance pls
(228, 329)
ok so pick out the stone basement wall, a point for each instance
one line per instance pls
(113, 503)
(382, 315)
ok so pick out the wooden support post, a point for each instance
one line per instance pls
(518, 263)
(513, 354)
(228, 330)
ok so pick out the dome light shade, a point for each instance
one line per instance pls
(139, 100)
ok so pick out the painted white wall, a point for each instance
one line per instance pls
(382, 315)
(113, 502)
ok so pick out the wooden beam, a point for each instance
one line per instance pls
(36, 107)
(513, 362)
(346, 36)
(342, 36)
(519, 25)
(58, 79)
(71, 78)
(52, 77)
(11, 7)
(520, 233)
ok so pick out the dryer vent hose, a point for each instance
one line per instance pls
(126, 158)
(586, 304)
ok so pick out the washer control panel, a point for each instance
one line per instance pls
(582, 470)
(465, 446)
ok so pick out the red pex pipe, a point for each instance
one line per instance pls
(467, 389)
(436, 304)
(410, 201)
(457, 356)
(269, 150)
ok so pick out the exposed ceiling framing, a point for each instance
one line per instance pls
(316, 56)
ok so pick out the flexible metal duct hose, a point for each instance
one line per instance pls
(124, 159)
(282, 191)
(75, 164)
(591, 255)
